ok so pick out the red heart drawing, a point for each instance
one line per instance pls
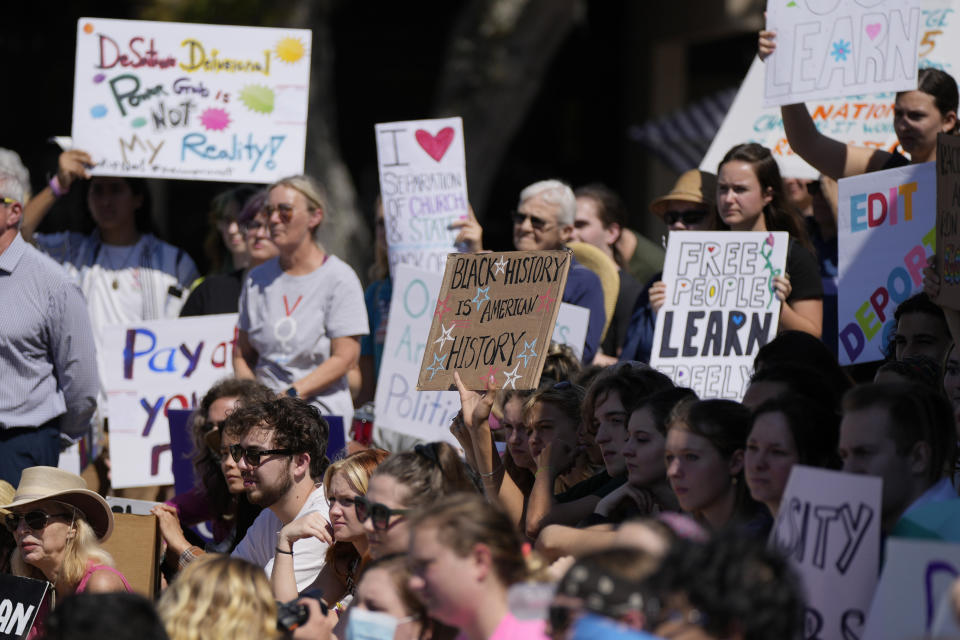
(710, 249)
(437, 145)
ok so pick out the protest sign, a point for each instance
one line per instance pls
(720, 308)
(423, 183)
(20, 599)
(497, 312)
(149, 368)
(828, 528)
(571, 327)
(948, 220)
(863, 120)
(916, 575)
(885, 231)
(134, 507)
(832, 49)
(191, 101)
(399, 405)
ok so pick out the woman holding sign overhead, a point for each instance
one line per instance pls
(918, 117)
(301, 313)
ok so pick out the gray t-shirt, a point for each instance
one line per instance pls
(290, 321)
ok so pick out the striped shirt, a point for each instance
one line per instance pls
(48, 363)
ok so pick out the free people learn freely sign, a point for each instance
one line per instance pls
(885, 233)
(423, 184)
(191, 101)
(493, 319)
(720, 308)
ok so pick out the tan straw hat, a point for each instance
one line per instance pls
(49, 483)
(694, 186)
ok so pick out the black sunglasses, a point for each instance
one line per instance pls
(688, 217)
(380, 513)
(537, 223)
(36, 520)
(252, 456)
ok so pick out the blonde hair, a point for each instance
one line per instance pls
(80, 550)
(218, 596)
(315, 194)
(357, 467)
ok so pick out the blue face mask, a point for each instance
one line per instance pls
(372, 625)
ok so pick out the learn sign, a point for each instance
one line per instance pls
(191, 101)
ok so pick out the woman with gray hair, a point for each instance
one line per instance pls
(301, 313)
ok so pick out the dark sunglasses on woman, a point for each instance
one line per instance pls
(36, 520)
(380, 513)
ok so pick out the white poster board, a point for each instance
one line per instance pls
(828, 528)
(720, 308)
(917, 574)
(863, 120)
(885, 232)
(152, 367)
(423, 184)
(191, 101)
(837, 48)
(571, 327)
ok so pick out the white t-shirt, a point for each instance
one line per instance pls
(309, 554)
(290, 321)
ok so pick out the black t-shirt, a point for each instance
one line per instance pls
(216, 294)
(598, 485)
(804, 272)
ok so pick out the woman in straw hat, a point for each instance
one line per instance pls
(58, 525)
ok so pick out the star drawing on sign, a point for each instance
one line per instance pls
(445, 335)
(510, 377)
(500, 265)
(437, 365)
(528, 346)
(477, 300)
(442, 307)
(544, 302)
(841, 49)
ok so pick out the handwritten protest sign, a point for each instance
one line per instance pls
(720, 308)
(493, 319)
(885, 231)
(191, 101)
(571, 327)
(916, 575)
(863, 120)
(948, 220)
(20, 600)
(152, 367)
(831, 49)
(828, 528)
(423, 183)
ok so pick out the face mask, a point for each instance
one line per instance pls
(372, 625)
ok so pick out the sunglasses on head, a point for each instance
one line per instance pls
(36, 520)
(688, 217)
(539, 224)
(380, 513)
(252, 456)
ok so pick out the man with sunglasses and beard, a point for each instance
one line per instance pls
(279, 447)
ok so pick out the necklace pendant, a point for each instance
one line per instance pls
(116, 285)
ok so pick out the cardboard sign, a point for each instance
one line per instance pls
(916, 576)
(828, 528)
(571, 327)
(135, 548)
(720, 308)
(948, 220)
(493, 319)
(399, 405)
(423, 183)
(152, 367)
(885, 231)
(20, 599)
(831, 49)
(191, 101)
(863, 120)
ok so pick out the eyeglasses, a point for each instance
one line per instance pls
(252, 456)
(688, 217)
(36, 520)
(538, 224)
(380, 513)
(255, 224)
(285, 211)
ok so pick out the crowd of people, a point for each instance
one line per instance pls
(606, 501)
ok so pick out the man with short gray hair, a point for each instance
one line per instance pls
(48, 362)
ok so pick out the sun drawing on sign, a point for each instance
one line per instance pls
(290, 50)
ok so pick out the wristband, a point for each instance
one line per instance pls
(58, 191)
(189, 555)
(489, 474)
(279, 550)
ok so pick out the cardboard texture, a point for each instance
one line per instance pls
(948, 220)
(135, 547)
(493, 319)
